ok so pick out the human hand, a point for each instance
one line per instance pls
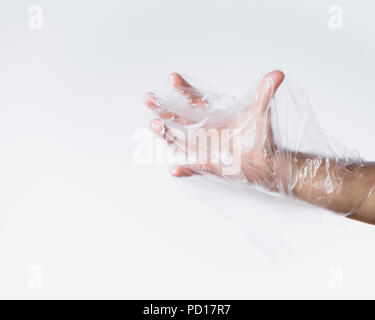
(242, 133)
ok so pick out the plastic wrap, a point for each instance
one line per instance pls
(269, 139)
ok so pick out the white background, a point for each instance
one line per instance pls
(80, 219)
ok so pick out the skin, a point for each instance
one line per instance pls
(273, 168)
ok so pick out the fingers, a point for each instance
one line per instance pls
(178, 142)
(154, 104)
(189, 170)
(182, 171)
(163, 132)
(181, 85)
(267, 88)
(258, 113)
(191, 93)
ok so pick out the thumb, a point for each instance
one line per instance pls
(266, 89)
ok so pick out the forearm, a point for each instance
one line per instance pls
(329, 183)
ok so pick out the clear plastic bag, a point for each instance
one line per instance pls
(269, 139)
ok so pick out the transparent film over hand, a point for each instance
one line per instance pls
(269, 139)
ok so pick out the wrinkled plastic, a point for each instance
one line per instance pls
(269, 139)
